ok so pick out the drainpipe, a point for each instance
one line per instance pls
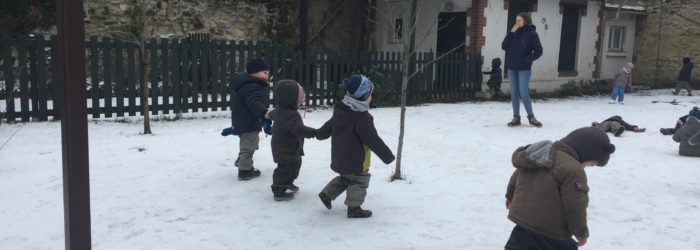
(601, 38)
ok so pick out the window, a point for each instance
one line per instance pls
(396, 35)
(616, 40)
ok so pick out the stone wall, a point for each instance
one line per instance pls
(260, 20)
(680, 33)
(336, 26)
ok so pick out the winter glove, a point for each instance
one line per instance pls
(267, 126)
(227, 131)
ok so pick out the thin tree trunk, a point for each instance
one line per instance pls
(404, 87)
(145, 92)
(406, 67)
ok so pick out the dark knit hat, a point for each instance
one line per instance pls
(358, 87)
(695, 112)
(256, 65)
(591, 144)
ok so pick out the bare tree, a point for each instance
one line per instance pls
(409, 49)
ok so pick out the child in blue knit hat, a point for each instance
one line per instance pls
(354, 140)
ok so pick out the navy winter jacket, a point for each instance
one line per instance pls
(686, 70)
(522, 48)
(249, 102)
(496, 75)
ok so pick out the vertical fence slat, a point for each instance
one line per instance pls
(185, 81)
(107, 86)
(164, 69)
(214, 69)
(204, 73)
(131, 78)
(23, 44)
(154, 90)
(94, 76)
(41, 79)
(33, 86)
(8, 64)
(55, 80)
(196, 63)
(176, 73)
(119, 77)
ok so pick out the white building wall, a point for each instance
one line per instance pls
(614, 61)
(545, 75)
(547, 19)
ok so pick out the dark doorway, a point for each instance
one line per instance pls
(452, 32)
(569, 39)
(514, 9)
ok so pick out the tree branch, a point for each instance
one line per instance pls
(434, 60)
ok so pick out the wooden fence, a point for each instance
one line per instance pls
(192, 75)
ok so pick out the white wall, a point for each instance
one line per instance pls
(614, 61)
(427, 17)
(545, 75)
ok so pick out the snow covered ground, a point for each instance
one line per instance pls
(177, 188)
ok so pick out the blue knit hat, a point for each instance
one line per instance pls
(256, 65)
(695, 112)
(358, 87)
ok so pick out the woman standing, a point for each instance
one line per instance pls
(522, 46)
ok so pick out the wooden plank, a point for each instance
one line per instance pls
(22, 45)
(42, 86)
(185, 81)
(204, 74)
(165, 74)
(131, 78)
(322, 79)
(119, 77)
(225, 72)
(8, 69)
(55, 80)
(214, 69)
(241, 56)
(154, 107)
(196, 83)
(176, 73)
(107, 69)
(33, 90)
(95, 76)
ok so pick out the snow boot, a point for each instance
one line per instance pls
(675, 92)
(293, 188)
(358, 212)
(534, 122)
(514, 122)
(612, 102)
(619, 131)
(325, 199)
(667, 131)
(284, 196)
(244, 175)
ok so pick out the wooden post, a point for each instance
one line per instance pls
(74, 136)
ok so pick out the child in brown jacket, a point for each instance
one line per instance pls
(288, 133)
(547, 195)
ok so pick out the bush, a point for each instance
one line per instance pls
(581, 88)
